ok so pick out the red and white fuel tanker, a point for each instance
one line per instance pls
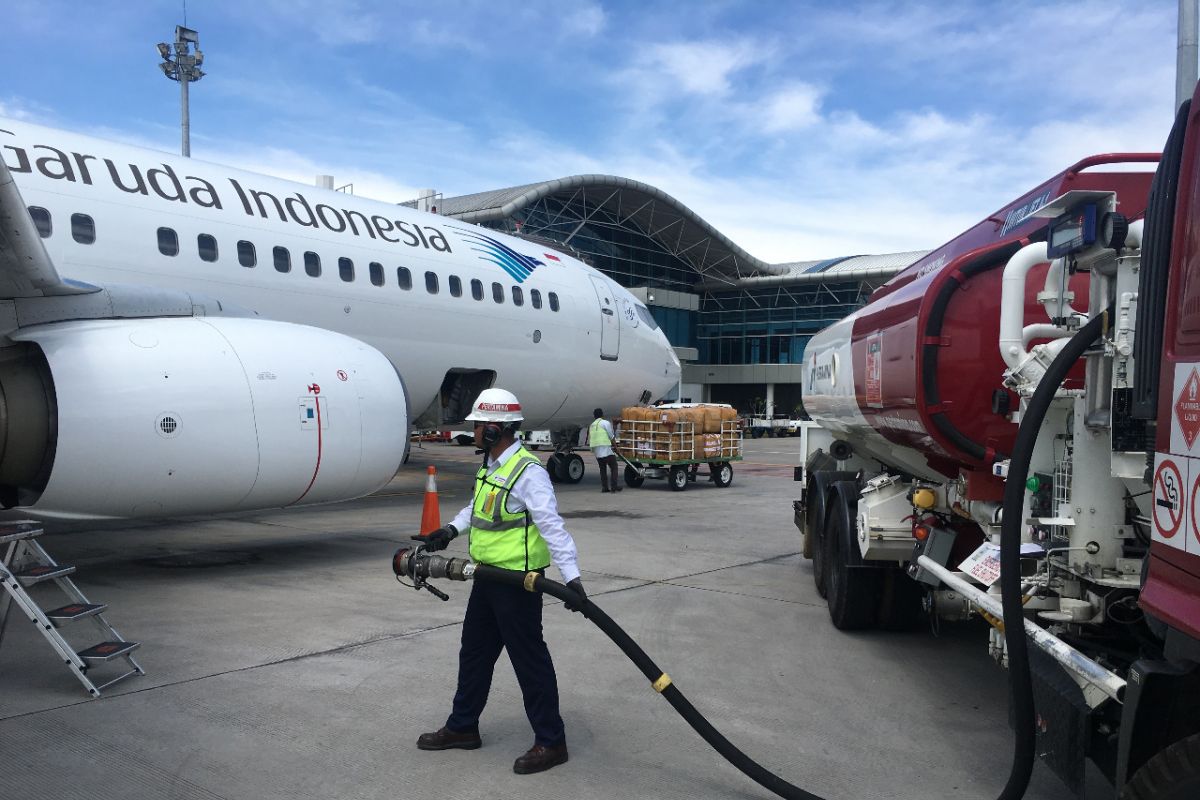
(917, 400)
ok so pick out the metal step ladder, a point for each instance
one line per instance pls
(26, 564)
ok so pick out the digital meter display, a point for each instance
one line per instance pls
(1072, 232)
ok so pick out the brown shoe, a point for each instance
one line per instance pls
(540, 759)
(446, 739)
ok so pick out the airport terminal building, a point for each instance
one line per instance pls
(738, 323)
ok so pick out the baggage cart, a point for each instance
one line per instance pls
(672, 449)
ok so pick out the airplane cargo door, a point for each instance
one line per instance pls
(610, 325)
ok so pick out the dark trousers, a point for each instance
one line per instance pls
(609, 463)
(501, 617)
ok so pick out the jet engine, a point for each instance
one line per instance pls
(174, 416)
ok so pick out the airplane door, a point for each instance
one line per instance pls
(610, 324)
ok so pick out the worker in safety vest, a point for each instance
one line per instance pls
(514, 524)
(600, 439)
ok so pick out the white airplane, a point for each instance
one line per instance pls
(179, 337)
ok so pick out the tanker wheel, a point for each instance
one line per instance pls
(678, 478)
(633, 479)
(722, 473)
(464, 440)
(820, 568)
(900, 607)
(1173, 774)
(572, 468)
(853, 591)
(814, 531)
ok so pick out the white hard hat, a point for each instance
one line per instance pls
(496, 405)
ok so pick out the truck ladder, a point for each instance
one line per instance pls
(25, 564)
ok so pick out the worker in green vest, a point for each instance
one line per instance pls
(514, 524)
(600, 439)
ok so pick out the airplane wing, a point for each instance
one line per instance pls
(25, 268)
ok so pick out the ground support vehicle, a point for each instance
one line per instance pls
(779, 425)
(928, 397)
(674, 451)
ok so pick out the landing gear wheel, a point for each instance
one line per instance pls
(853, 592)
(1173, 774)
(554, 467)
(722, 473)
(632, 479)
(678, 478)
(572, 469)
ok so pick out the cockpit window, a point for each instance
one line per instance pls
(646, 316)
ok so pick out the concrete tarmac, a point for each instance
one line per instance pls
(283, 660)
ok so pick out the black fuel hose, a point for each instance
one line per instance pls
(661, 682)
(1021, 685)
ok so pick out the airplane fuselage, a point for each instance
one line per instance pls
(306, 255)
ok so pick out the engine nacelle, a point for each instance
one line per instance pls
(173, 416)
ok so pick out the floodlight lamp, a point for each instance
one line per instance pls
(199, 58)
(167, 67)
(183, 34)
(164, 50)
(197, 74)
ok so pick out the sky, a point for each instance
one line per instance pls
(801, 130)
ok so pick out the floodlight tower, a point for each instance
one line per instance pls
(184, 67)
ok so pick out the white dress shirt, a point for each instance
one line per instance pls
(533, 492)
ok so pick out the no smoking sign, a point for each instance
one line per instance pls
(1169, 498)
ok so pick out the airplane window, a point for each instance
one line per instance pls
(553, 302)
(207, 244)
(247, 257)
(431, 282)
(83, 229)
(535, 298)
(497, 293)
(404, 277)
(376, 273)
(168, 242)
(455, 286)
(312, 264)
(41, 221)
(518, 296)
(346, 269)
(477, 289)
(646, 316)
(283, 260)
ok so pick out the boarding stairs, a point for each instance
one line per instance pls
(26, 564)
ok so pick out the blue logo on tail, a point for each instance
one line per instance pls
(517, 265)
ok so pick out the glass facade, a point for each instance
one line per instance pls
(744, 326)
(769, 326)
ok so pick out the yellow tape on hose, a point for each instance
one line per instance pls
(530, 577)
(662, 683)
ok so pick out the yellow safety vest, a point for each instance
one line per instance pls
(499, 537)
(597, 435)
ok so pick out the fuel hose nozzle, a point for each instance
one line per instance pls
(419, 566)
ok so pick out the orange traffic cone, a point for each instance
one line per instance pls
(431, 514)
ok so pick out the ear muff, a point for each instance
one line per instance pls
(492, 433)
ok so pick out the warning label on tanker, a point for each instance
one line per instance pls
(984, 564)
(874, 371)
(1168, 498)
(1187, 406)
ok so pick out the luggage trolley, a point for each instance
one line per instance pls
(672, 449)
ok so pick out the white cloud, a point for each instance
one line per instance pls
(792, 108)
(703, 68)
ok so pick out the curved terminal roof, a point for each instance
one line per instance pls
(676, 227)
